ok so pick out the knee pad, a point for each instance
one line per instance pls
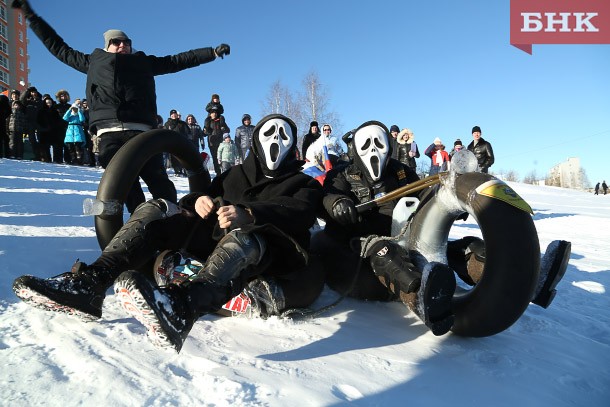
(233, 254)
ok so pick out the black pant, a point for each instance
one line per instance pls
(214, 151)
(342, 264)
(153, 173)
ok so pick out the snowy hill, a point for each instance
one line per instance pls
(365, 354)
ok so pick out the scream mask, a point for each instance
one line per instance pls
(371, 149)
(274, 143)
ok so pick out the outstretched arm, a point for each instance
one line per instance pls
(54, 43)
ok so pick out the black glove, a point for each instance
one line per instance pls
(24, 5)
(222, 50)
(344, 211)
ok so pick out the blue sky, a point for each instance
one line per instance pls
(438, 67)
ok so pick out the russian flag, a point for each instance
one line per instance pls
(318, 170)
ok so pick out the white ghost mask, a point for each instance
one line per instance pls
(275, 139)
(373, 149)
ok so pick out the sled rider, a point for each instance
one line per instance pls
(268, 207)
(387, 273)
(121, 93)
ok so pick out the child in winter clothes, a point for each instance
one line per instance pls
(438, 155)
(17, 126)
(215, 102)
(75, 138)
(227, 153)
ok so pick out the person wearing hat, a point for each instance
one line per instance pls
(121, 93)
(243, 137)
(214, 127)
(310, 137)
(227, 153)
(406, 148)
(394, 130)
(215, 102)
(32, 101)
(481, 149)
(5, 112)
(457, 146)
(438, 156)
(179, 126)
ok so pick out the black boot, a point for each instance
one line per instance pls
(553, 267)
(169, 312)
(393, 267)
(79, 292)
(466, 257)
(432, 303)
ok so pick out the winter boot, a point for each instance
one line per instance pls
(391, 264)
(266, 297)
(262, 298)
(132, 246)
(432, 302)
(466, 257)
(79, 292)
(553, 267)
(169, 312)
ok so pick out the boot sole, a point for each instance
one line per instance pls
(134, 303)
(437, 290)
(556, 270)
(42, 302)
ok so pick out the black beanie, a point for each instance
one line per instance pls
(476, 128)
(394, 128)
(457, 142)
(314, 123)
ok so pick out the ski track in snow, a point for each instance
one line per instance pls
(358, 353)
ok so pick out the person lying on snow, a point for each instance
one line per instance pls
(268, 207)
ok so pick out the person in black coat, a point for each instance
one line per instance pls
(214, 127)
(250, 227)
(481, 149)
(312, 135)
(387, 272)
(50, 124)
(5, 112)
(179, 126)
(120, 90)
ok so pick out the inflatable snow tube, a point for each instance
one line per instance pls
(511, 242)
(125, 166)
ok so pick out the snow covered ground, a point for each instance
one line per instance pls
(365, 354)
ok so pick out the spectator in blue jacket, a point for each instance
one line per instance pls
(75, 139)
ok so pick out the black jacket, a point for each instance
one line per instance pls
(348, 181)
(402, 154)
(483, 152)
(284, 208)
(178, 126)
(308, 140)
(120, 87)
(214, 129)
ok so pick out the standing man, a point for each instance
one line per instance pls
(121, 93)
(243, 137)
(481, 149)
(175, 124)
(310, 137)
(32, 101)
(214, 127)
